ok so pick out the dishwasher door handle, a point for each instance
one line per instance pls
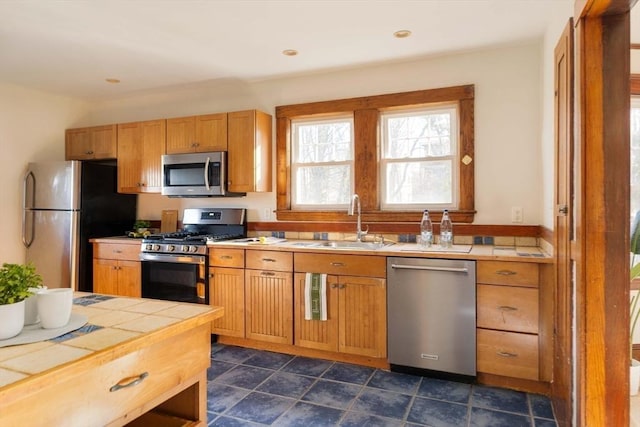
(425, 267)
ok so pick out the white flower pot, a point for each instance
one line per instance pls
(634, 377)
(11, 319)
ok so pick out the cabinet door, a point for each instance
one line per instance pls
(104, 142)
(269, 306)
(362, 303)
(153, 143)
(181, 135)
(211, 132)
(129, 279)
(105, 276)
(249, 148)
(226, 289)
(129, 157)
(78, 144)
(316, 334)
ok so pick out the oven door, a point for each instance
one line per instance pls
(175, 278)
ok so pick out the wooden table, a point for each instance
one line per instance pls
(136, 362)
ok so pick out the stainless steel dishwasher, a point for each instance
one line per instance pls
(431, 311)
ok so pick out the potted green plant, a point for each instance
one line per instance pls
(15, 283)
(141, 225)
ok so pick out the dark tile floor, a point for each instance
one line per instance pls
(250, 388)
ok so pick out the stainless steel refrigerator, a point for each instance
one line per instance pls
(65, 204)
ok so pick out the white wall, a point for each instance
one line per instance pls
(32, 128)
(547, 145)
(507, 118)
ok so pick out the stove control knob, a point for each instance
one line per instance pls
(194, 249)
(149, 247)
(171, 248)
(185, 248)
(156, 247)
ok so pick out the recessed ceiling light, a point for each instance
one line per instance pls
(112, 80)
(290, 52)
(402, 34)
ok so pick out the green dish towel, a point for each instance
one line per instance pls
(315, 296)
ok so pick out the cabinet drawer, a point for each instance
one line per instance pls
(353, 265)
(116, 251)
(507, 273)
(167, 363)
(269, 260)
(508, 308)
(508, 353)
(226, 257)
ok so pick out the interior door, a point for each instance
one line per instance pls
(562, 373)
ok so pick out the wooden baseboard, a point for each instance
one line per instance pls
(306, 352)
(528, 386)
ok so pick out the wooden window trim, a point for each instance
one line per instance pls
(366, 124)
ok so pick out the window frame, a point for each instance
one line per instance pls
(366, 118)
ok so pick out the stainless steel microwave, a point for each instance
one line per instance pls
(195, 175)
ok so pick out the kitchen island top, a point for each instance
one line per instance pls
(132, 355)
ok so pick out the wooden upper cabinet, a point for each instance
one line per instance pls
(90, 143)
(197, 134)
(140, 148)
(249, 151)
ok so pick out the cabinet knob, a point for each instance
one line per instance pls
(89, 152)
(337, 264)
(268, 273)
(334, 286)
(268, 260)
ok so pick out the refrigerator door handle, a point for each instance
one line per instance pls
(27, 242)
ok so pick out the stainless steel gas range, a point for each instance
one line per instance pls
(174, 265)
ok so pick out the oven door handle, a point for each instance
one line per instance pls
(181, 259)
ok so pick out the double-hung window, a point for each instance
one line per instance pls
(400, 152)
(418, 164)
(322, 162)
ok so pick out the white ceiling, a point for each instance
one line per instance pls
(71, 46)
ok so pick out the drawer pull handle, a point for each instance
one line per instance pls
(268, 260)
(118, 251)
(507, 308)
(268, 273)
(129, 382)
(506, 272)
(337, 264)
(226, 257)
(506, 354)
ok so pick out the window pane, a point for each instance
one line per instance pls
(417, 136)
(323, 185)
(324, 142)
(635, 157)
(419, 183)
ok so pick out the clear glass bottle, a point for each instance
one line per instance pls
(426, 230)
(446, 230)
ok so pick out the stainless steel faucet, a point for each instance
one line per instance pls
(359, 232)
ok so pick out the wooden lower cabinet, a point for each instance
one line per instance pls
(356, 306)
(226, 289)
(356, 317)
(268, 305)
(512, 324)
(116, 269)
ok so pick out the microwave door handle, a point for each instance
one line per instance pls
(206, 174)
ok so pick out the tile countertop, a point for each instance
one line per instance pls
(115, 324)
(477, 252)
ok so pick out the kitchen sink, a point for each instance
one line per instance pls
(340, 244)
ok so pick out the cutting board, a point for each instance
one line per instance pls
(169, 221)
